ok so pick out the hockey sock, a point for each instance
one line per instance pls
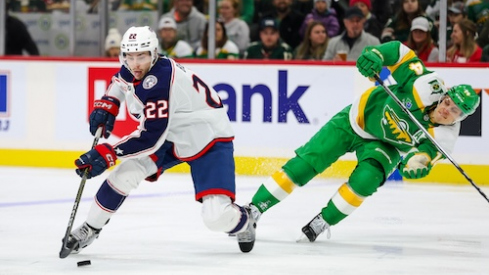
(296, 172)
(107, 201)
(363, 182)
(108, 198)
(272, 191)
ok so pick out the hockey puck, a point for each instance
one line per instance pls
(84, 263)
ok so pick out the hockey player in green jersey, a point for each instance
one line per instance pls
(377, 130)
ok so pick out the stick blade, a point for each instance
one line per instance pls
(64, 252)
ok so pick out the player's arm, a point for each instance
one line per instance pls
(147, 140)
(419, 161)
(106, 109)
(392, 54)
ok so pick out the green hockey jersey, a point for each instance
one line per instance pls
(375, 115)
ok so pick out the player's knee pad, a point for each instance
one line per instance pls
(220, 214)
(367, 177)
(299, 171)
(129, 173)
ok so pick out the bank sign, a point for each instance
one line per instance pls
(267, 100)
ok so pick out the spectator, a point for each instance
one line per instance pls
(270, 45)
(58, 5)
(290, 21)
(456, 13)
(113, 43)
(323, 13)
(464, 48)
(314, 44)
(398, 26)
(237, 30)
(247, 10)
(170, 45)
(382, 10)
(483, 37)
(190, 22)
(18, 38)
(262, 7)
(485, 54)
(303, 6)
(352, 40)
(433, 11)
(372, 24)
(478, 12)
(26, 6)
(225, 48)
(139, 5)
(420, 40)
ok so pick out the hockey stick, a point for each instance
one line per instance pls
(432, 139)
(64, 252)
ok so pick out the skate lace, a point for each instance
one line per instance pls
(84, 234)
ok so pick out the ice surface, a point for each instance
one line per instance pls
(402, 229)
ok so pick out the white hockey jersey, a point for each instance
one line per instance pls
(172, 103)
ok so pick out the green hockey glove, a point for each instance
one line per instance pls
(415, 165)
(370, 63)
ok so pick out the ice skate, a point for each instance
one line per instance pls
(82, 237)
(315, 227)
(246, 239)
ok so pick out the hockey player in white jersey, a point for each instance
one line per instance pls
(182, 119)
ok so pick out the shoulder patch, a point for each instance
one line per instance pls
(149, 82)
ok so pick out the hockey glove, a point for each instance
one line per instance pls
(415, 165)
(103, 115)
(96, 160)
(370, 63)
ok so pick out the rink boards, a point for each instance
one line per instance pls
(274, 108)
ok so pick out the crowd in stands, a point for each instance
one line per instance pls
(303, 29)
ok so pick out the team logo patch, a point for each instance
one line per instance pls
(436, 87)
(395, 128)
(149, 82)
(408, 103)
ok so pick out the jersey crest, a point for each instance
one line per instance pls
(149, 82)
(436, 87)
(395, 129)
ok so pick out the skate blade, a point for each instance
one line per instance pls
(302, 239)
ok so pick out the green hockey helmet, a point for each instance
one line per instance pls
(465, 98)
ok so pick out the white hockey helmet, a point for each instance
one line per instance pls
(139, 39)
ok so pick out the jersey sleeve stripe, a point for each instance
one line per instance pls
(404, 57)
(418, 99)
(361, 107)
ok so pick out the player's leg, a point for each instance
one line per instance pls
(376, 160)
(214, 180)
(114, 190)
(332, 141)
(110, 196)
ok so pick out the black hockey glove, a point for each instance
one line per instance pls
(103, 115)
(96, 160)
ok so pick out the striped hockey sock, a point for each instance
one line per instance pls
(273, 191)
